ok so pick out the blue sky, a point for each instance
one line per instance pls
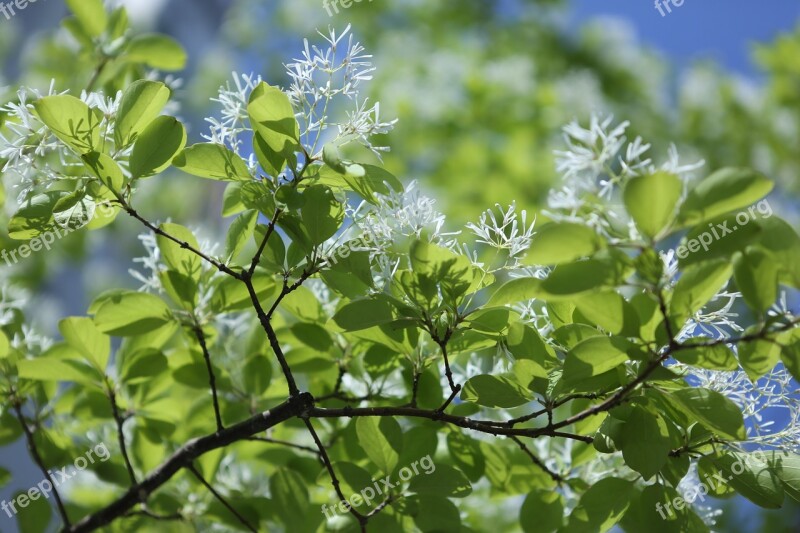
(717, 29)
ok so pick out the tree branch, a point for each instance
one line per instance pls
(362, 520)
(212, 380)
(38, 460)
(183, 457)
(220, 498)
(538, 462)
(112, 397)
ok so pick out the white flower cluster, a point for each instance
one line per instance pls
(593, 167)
(510, 232)
(235, 120)
(318, 78)
(321, 75)
(36, 158)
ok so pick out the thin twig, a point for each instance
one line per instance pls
(183, 244)
(220, 498)
(362, 520)
(112, 397)
(538, 462)
(187, 453)
(263, 245)
(38, 460)
(285, 443)
(212, 380)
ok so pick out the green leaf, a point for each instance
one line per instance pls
(516, 290)
(542, 512)
(713, 410)
(277, 132)
(758, 357)
(91, 14)
(434, 514)
(714, 357)
(610, 311)
(651, 200)
(752, 478)
(35, 516)
(723, 191)
(375, 180)
(601, 507)
(128, 313)
(288, 491)
(106, 169)
(141, 103)
(445, 481)
(176, 256)
(34, 217)
(74, 210)
(157, 51)
(71, 120)
(790, 353)
(322, 213)
(645, 441)
(381, 439)
(466, 454)
(562, 242)
(786, 467)
(783, 243)
(363, 314)
(257, 374)
(494, 391)
(157, 146)
(212, 161)
(698, 284)
(82, 334)
(756, 274)
(5, 346)
(595, 356)
(51, 369)
(239, 232)
(232, 295)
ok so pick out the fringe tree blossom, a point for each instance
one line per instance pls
(321, 75)
(510, 233)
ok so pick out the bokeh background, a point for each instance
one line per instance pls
(481, 89)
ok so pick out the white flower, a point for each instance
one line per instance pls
(322, 75)
(235, 119)
(510, 232)
(589, 150)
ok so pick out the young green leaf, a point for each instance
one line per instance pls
(106, 169)
(562, 242)
(212, 161)
(141, 103)
(651, 200)
(494, 391)
(71, 120)
(82, 334)
(157, 51)
(156, 146)
(723, 191)
(130, 313)
(381, 439)
(91, 14)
